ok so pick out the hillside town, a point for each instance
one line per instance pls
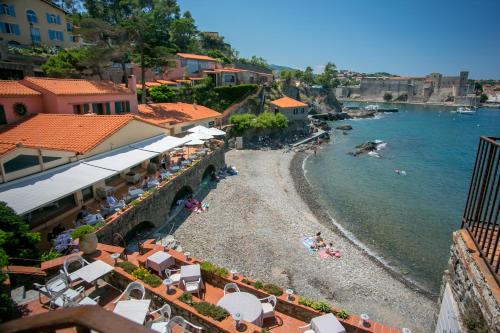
(116, 153)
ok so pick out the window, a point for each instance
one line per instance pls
(3, 118)
(56, 35)
(47, 159)
(77, 109)
(85, 108)
(31, 16)
(185, 128)
(35, 35)
(302, 110)
(98, 108)
(20, 109)
(51, 210)
(74, 39)
(10, 28)
(21, 162)
(229, 78)
(122, 107)
(87, 193)
(52, 18)
(7, 10)
(69, 26)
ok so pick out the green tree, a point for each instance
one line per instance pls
(162, 94)
(286, 76)
(67, 63)
(269, 120)
(254, 60)
(184, 34)
(387, 96)
(242, 122)
(329, 76)
(308, 76)
(483, 98)
(219, 55)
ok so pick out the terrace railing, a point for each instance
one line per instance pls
(481, 212)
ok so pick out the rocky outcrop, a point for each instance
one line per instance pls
(364, 148)
(361, 113)
(346, 127)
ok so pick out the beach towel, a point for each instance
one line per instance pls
(307, 243)
(324, 255)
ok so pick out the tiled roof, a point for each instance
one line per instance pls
(174, 113)
(68, 132)
(15, 88)
(166, 82)
(195, 56)
(77, 87)
(287, 102)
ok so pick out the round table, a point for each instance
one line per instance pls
(246, 304)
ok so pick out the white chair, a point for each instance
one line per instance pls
(160, 324)
(306, 329)
(132, 286)
(231, 286)
(72, 264)
(174, 275)
(57, 290)
(68, 302)
(193, 287)
(268, 305)
(178, 321)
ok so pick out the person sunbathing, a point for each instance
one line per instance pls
(318, 241)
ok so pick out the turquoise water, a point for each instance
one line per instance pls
(407, 220)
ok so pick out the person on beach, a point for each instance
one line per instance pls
(318, 241)
(330, 251)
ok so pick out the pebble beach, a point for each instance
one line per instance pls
(255, 225)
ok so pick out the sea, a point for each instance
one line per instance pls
(403, 202)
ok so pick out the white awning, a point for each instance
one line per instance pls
(121, 159)
(195, 142)
(160, 144)
(32, 192)
(206, 130)
(199, 135)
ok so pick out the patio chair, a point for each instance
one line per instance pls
(68, 302)
(231, 286)
(132, 286)
(178, 321)
(69, 267)
(268, 305)
(306, 329)
(57, 290)
(160, 324)
(193, 287)
(174, 275)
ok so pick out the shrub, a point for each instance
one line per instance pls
(387, 96)
(342, 314)
(321, 306)
(211, 310)
(258, 285)
(247, 281)
(162, 94)
(82, 231)
(242, 122)
(208, 267)
(268, 120)
(127, 266)
(134, 202)
(153, 280)
(306, 301)
(50, 254)
(186, 298)
(273, 289)
(231, 94)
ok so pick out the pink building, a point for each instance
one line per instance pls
(64, 96)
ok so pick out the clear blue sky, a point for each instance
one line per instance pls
(399, 36)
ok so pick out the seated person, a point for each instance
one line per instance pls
(145, 182)
(318, 241)
(114, 203)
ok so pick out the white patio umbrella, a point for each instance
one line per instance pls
(212, 131)
(194, 142)
(200, 135)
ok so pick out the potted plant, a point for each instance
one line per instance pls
(87, 238)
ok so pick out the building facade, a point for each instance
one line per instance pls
(36, 22)
(294, 110)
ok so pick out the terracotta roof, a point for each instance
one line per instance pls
(195, 78)
(68, 132)
(173, 113)
(166, 82)
(195, 56)
(287, 102)
(77, 87)
(15, 88)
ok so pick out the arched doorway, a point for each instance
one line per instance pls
(182, 194)
(138, 234)
(207, 175)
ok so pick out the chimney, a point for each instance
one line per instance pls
(132, 83)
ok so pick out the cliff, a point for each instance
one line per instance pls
(322, 100)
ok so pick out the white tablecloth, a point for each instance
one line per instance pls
(246, 304)
(327, 323)
(160, 261)
(135, 310)
(93, 271)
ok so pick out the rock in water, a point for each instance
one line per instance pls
(344, 127)
(364, 148)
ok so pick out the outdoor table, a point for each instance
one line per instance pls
(160, 261)
(93, 271)
(135, 193)
(189, 273)
(165, 175)
(92, 219)
(135, 310)
(246, 304)
(327, 324)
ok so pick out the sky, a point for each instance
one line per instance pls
(402, 37)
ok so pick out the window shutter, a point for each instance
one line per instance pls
(108, 108)
(94, 108)
(85, 108)
(118, 107)
(127, 105)
(2, 27)
(12, 11)
(62, 36)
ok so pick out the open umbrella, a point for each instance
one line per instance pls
(194, 142)
(202, 129)
(199, 135)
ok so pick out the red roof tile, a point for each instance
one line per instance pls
(76, 133)
(287, 102)
(174, 113)
(15, 88)
(195, 56)
(77, 87)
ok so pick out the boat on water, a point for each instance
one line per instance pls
(372, 107)
(465, 110)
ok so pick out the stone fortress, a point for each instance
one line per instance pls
(433, 88)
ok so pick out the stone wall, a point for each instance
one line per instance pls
(155, 209)
(473, 286)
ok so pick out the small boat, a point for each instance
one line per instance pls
(465, 110)
(372, 107)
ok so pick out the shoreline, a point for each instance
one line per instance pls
(399, 102)
(312, 200)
